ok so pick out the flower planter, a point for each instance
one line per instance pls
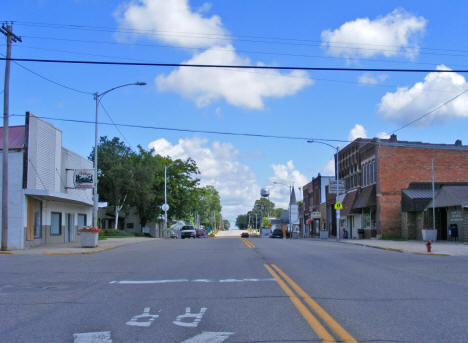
(89, 239)
(323, 234)
(429, 234)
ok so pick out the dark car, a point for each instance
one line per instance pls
(201, 233)
(188, 231)
(278, 233)
(245, 235)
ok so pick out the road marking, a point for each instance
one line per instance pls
(332, 323)
(321, 332)
(146, 282)
(93, 337)
(197, 318)
(137, 320)
(248, 243)
(209, 337)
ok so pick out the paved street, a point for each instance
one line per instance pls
(227, 289)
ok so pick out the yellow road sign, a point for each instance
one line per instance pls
(338, 205)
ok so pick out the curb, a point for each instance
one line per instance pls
(400, 250)
(79, 252)
(7, 253)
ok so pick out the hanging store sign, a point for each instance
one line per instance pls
(83, 178)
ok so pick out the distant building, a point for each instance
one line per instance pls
(314, 195)
(376, 170)
(43, 205)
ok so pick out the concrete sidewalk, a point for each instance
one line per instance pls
(443, 248)
(75, 248)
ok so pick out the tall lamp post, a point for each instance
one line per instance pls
(97, 98)
(337, 177)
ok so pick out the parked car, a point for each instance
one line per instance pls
(174, 234)
(201, 233)
(278, 233)
(245, 235)
(188, 231)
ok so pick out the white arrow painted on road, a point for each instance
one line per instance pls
(209, 337)
(93, 337)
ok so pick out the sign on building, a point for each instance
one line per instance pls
(294, 214)
(316, 214)
(83, 178)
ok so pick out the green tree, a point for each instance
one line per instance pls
(265, 222)
(242, 221)
(226, 224)
(115, 173)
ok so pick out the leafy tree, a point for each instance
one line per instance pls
(115, 174)
(265, 222)
(226, 224)
(242, 221)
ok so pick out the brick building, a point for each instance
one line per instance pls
(378, 169)
(314, 194)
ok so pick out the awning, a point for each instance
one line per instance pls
(79, 199)
(449, 196)
(415, 200)
(348, 202)
(366, 198)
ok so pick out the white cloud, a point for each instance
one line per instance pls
(245, 89)
(285, 175)
(329, 168)
(358, 131)
(369, 79)
(395, 34)
(383, 135)
(220, 167)
(406, 104)
(173, 22)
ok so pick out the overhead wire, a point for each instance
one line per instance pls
(229, 66)
(115, 125)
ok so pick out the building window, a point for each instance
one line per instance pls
(37, 218)
(56, 224)
(81, 220)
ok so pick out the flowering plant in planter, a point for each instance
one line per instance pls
(90, 229)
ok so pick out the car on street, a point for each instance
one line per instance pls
(245, 235)
(188, 231)
(201, 233)
(278, 233)
(174, 234)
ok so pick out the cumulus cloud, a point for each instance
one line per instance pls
(245, 89)
(285, 175)
(329, 168)
(173, 22)
(220, 167)
(397, 33)
(369, 79)
(383, 135)
(358, 131)
(408, 103)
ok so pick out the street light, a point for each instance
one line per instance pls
(337, 177)
(98, 97)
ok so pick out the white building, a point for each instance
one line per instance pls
(43, 205)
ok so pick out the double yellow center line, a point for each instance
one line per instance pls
(246, 242)
(312, 320)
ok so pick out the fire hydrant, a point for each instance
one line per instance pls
(429, 245)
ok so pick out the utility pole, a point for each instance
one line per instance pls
(6, 29)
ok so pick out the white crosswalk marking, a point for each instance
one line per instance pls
(209, 337)
(93, 337)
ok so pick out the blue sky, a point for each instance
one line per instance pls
(336, 105)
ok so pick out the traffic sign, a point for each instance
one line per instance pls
(165, 207)
(338, 205)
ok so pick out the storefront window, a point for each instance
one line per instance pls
(37, 215)
(56, 223)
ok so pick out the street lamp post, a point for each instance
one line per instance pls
(337, 177)
(97, 98)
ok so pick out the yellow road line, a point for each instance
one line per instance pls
(332, 323)
(79, 252)
(319, 329)
(246, 242)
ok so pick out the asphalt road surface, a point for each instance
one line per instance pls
(233, 290)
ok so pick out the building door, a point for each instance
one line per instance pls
(69, 232)
(442, 232)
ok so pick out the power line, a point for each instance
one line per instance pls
(47, 79)
(431, 111)
(113, 123)
(259, 67)
(225, 133)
